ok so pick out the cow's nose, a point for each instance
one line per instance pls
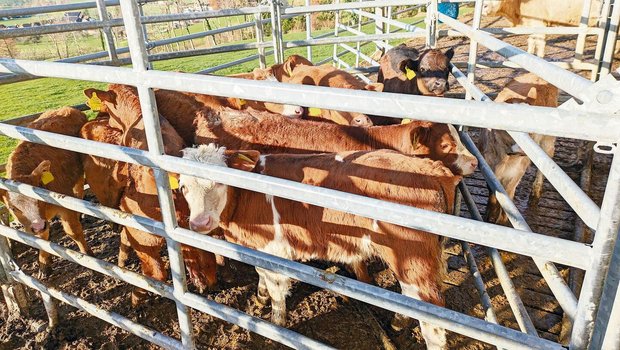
(200, 223)
(38, 225)
(440, 84)
(299, 110)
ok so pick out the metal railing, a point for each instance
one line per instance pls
(594, 116)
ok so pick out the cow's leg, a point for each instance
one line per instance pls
(547, 143)
(509, 173)
(147, 248)
(361, 271)
(124, 248)
(73, 227)
(278, 287)
(45, 258)
(263, 294)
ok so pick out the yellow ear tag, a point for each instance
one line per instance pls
(410, 73)
(241, 101)
(244, 157)
(314, 112)
(406, 121)
(94, 102)
(174, 182)
(46, 177)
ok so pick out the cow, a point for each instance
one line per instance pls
(276, 134)
(329, 76)
(51, 168)
(404, 70)
(505, 157)
(139, 197)
(541, 13)
(299, 231)
(281, 72)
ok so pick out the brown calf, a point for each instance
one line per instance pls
(499, 149)
(281, 72)
(299, 231)
(329, 76)
(275, 134)
(51, 168)
(140, 195)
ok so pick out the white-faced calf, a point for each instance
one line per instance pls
(299, 231)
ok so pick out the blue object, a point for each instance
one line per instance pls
(448, 9)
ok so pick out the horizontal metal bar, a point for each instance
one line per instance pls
(233, 63)
(521, 242)
(503, 275)
(544, 30)
(58, 28)
(576, 65)
(349, 39)
(351, 5)
(363, 56)
(395, 302)
(572, 83)
(549, 121)
(204, 14)
(226, 313)
(107, 316)
(14, 12)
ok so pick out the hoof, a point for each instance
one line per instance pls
(400, 322)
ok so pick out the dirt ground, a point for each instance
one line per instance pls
(320, 314)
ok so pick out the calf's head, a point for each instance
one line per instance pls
(207, 199)
(442, 142)
(431, 71)
(29, 211)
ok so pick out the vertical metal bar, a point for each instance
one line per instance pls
(581, 38)
(603, 245)
(308, 31)
(145, 37)
(280, 52)
(600, 38)
(379, 25)
(258, 25)
(387, 25)
(431, 24)
(14, 293)
(607, 326)
(107, 31)
(610, 41)
(335, 59)
(358, 44)
(275, 32)
(152, 129)
(473, 49)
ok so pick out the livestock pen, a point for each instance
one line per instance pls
(589, 114)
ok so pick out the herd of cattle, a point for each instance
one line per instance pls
(411, 162)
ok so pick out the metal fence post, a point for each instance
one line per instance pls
(603, 246)
(258, 25)
(336, 32)
(308, 31)
(473, 48)
(611, 38)
(379, 25)
(107, 31)
(431, 24)
(131, 13)
(14, 293)
(581, 38)
(606, 333)
(275, 31)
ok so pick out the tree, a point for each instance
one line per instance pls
(8, 48)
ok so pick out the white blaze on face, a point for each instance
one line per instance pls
(292, 111)
(206, 199)
(466, 161)
(27, 212)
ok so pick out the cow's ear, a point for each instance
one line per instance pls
(450, 53)
(532, 94)
(378, 87)
(108, 96)
(41, 174)
(242, 160)
(411, 64)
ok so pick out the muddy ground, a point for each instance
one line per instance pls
(319, 314)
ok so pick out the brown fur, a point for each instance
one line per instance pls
(140, 195)
(273, 134)
(311, 232)
(497, 146)
(26, 164)
(279, 71)
(331, 77)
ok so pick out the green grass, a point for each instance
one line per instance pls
(35, 96)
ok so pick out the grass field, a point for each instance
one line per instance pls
(42, 94)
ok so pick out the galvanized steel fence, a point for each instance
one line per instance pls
(590, 115)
